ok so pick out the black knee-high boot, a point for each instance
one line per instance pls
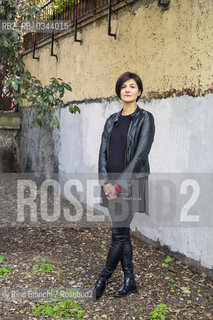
(113, 257)
(127, 267)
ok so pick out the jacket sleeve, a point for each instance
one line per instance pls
(102, 162)
(141, 153)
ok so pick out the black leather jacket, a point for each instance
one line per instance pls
(139, 141)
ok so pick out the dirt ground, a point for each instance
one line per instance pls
(78, 254)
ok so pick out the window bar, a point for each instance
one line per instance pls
(109, 19)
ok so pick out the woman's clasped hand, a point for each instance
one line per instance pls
(110, 191)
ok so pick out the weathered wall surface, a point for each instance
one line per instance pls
(182, 138)
(170, 50)
(9, 134)
(8, 150)
(38, 145)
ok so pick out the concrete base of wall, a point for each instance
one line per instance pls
(186, 260)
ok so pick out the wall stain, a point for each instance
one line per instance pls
(192, 92)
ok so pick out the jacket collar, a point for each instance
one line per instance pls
(132, 114)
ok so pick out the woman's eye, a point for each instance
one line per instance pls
(132, 87)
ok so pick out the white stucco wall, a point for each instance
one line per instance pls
(182, 150)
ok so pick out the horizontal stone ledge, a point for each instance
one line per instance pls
(10, 120)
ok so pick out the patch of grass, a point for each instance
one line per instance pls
(166, 262)
(197, 289)
(159, 313)
(4, 271)
(41, 266)
(61, 309)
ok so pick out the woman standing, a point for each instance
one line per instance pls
(123, 164)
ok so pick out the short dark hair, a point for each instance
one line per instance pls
(126, 76)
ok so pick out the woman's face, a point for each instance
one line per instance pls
(129, 91)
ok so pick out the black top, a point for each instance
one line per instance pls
(117, 144)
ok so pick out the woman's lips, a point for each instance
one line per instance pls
(127, 95)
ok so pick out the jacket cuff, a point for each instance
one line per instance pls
(103, 178)
(102, 182)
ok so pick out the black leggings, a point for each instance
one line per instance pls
(120, 248)
(120, 213)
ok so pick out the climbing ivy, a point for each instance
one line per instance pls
(60, 5)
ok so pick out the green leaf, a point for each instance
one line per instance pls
(75, 304)
(77, 109)
(14, 85)
(67, 86)
(54, 122)
(51, 98)
(15, 36)
(71, 109)
(10, 16)
(5, 43)
(28, 75)
(60, 88)
(34, 10)
(74, 109)
(39, 122)
(168, 259)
